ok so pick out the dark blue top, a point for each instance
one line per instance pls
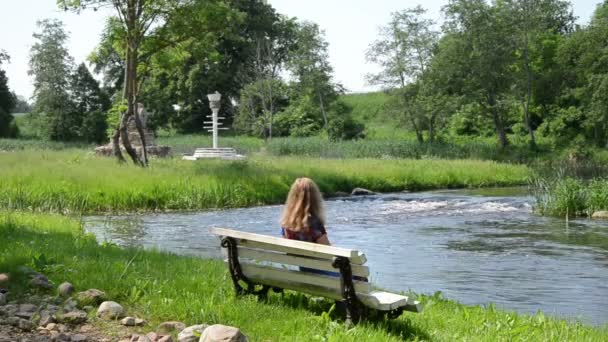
(312, 234)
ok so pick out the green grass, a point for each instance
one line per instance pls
(484, 149)
(160, 287)
(187, 143)
(570, 197)
(77, 181)
(9, 145)
(370, 109)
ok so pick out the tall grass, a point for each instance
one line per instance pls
(570, 197)
(159, 287)
(186, 144)
(408, 148)
(77, 181)
(9, 145)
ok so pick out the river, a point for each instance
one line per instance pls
(476, 247)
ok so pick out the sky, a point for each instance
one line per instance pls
(349, 25)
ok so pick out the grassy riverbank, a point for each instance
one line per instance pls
(570, 197)
(162, 287)
(76, 181)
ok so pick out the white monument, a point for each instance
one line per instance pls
(215, 151)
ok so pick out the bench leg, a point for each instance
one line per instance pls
(233, 264)
(237, 274)
(353, 312)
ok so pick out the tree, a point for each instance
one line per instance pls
(481, 48)
(21, 105)
(258, 104)
(309, 66)
(51, 66)
(404, 52)
(90, 105)
(7, 102)
(138, 18)
(224, 46)
(533, 21)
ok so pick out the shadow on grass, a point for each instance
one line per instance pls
(401, 327)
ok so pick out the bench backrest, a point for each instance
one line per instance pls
(275, 261)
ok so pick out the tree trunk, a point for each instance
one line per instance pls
(116, 145)
(528, 95)
(138, 124)
(322, 109)
(432, 129)
(130, 88)
(498, 123)
(419, 135)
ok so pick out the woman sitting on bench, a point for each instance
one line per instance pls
(304, 218)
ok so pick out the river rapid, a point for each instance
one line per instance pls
(476, 247)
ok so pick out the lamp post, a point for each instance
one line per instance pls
(214, 104)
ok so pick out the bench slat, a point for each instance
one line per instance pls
(379, 300)
(265, 273)
(386, 301)
(299, 287)
(291, 246)
(320, 264)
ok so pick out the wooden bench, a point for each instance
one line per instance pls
(276, 263)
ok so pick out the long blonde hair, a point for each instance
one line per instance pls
(304, 200)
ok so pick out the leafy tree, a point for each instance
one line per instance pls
(90, 105)
(582, 109)
(534, 22)
(309, 66)
(139, 19)
(51, 64)
(259, 103)
(7, 103)
(404, 52)
(482, 49)
(225, 46)
(21, 104)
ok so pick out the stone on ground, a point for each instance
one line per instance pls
(65, 289)
(361, 192)
(46, 318)
(4, 278)
(74, 317)
(128, 321)
(223, 333)
(39, 280)
(2, 299)
(169, 327)
(91, 297)
(189, 335)
(78, 338)
(110, 310)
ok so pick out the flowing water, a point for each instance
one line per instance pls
(475, 247)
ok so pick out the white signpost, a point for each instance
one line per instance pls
(215, 151)
(214, 104)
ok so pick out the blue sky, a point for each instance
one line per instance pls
(349, 25)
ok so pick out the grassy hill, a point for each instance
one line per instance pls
(370, 108)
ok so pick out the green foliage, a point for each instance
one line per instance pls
(113, 117)
(259, 103)
(7, 104)
(90, 105)
(161, 286)
(76, 181)
(8, 127)
(569, 197)
(50, 64)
